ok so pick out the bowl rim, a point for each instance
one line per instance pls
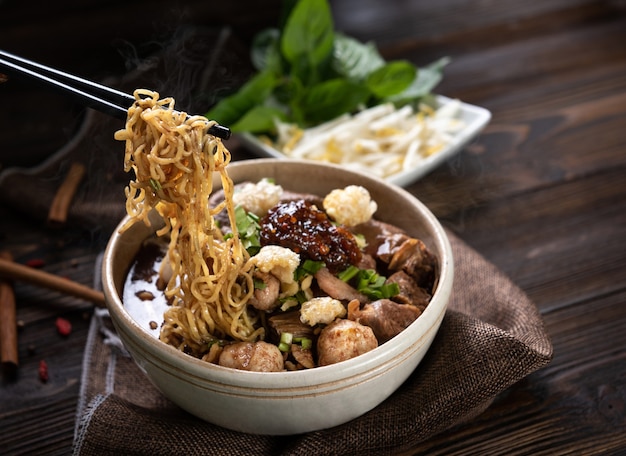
(372, 360)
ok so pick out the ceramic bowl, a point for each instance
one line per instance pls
(282, 403)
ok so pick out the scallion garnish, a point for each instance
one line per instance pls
(304, 342)
(307, 267)
(248, 228)
(347, 274)
(369, 282)
(155, 184)
(286, 340)
(259, 284)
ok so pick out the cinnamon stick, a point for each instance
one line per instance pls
(8, 323)
(16, 271)
(57, 215)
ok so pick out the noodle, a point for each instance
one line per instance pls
(174, 160)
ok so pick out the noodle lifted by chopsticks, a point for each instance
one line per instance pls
(174, 159)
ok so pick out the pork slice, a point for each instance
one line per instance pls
(266, 298)
(414, 258)
(410, 291)
(367, 262)
(337, 288)
(289, 322)
(303, 356)
(379, 236)
(387, 318)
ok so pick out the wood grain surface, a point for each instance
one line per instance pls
(541, 193)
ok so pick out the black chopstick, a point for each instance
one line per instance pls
(93, 95)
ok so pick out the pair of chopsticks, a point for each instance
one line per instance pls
(90, 94)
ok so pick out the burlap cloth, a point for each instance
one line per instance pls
(491, 337)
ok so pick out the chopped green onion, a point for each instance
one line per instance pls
(305, 342)
(215, 342)
(285, 342)
(259, 284)
(348, 274)
(155, 184)
(248, 228)
(369, 282)
(300, 297)
(308, 267)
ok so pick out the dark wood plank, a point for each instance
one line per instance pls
(541, 193)
(577, 402)
(566, 248)
(399, 22)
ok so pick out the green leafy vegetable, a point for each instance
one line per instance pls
(265, 53)
(354, 60)
(330, 99)
(422, 86)
(307, 39)
(259, 119)
(308, 74)
(253, 93)
(391, 78)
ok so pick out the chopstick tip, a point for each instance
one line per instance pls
(220, 131)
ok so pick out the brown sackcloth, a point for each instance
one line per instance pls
(491, 337)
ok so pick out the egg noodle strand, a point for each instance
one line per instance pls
(174, 158)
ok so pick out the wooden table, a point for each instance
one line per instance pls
(542, 194)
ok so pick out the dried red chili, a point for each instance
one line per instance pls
(43, 371)
(64, 327)
(35, 263)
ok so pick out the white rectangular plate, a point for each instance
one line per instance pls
(474, 118)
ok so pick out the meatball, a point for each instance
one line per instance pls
(252, 356)
(342, 340)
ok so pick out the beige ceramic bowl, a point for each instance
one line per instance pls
(288, 402)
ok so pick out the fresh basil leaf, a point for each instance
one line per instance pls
(391, 79)
(330, 99)
(307, 38)
(251, 94)
(258, 120)
(355, 60)
(425, 81)
(265, 51)
(300, 66)
(289, 90)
